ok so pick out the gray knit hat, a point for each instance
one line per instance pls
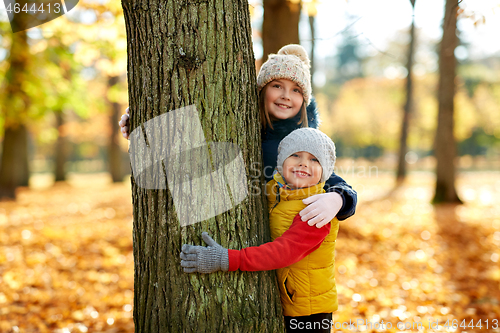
(312, 141)
(290, 63)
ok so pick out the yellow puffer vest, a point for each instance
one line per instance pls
(308, 286)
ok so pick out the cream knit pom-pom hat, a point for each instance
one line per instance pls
(312, 141)
(290, 63)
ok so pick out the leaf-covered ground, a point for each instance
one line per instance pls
(66, 262)
(402, 260)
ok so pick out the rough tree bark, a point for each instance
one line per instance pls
(408, 107)
(14, 169)
(183, 53)
(280, 25)
(444, 144)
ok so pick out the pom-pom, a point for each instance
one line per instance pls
(296, 50)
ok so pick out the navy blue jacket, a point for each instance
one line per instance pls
(270, 141)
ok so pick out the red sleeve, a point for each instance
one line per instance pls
(295, 243)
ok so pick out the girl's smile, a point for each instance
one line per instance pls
(283, 99)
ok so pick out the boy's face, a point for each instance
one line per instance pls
(283, 99)
(301, 170)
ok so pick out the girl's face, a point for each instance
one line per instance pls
(302, 170)
(283, 99)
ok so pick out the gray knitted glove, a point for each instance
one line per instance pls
(202, 259)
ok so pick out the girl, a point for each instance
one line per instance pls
(303, 256)
(285, 103)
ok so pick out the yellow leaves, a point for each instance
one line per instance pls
(494, 273)
(12, 282)
(430, 263)
(39, 46)
(362, 123)
(66, 261)
(311, 6)
(54, 234)
(36, 258)
(112, 68)
(109, 34)
(87, 55)
(78, 315)
(62, 270)
(368, 111)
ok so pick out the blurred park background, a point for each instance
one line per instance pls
(66, 262)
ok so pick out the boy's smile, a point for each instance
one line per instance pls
(301, 170)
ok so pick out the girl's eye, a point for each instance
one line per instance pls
(298, 91)
(276, 86)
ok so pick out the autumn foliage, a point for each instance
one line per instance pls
(66, 262)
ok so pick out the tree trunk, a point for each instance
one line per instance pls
(408, 107)
(114, 151)
(312, 19)
(14, 169)
(280, 25)
(60, 148)
(182, 54)
(444, 144)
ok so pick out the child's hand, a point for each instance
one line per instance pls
(321, 209)
(202, 259)
(125, 123)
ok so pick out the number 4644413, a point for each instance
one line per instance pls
(33, 9)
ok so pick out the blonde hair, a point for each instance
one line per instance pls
(265, 119)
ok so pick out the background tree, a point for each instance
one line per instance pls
(14, 169)
(115, 161)
(280, 25)
(199, 53)
(63, 88)
(408, 107)
(312, 11)
(445, 145)
(60, 148)
(111, 66)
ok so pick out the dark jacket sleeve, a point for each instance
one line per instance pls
(349, 196)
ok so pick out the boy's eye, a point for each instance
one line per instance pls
(314, 159)
(294, 155)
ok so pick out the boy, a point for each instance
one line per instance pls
(303, 255)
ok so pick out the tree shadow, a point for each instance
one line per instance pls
(464, 254)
